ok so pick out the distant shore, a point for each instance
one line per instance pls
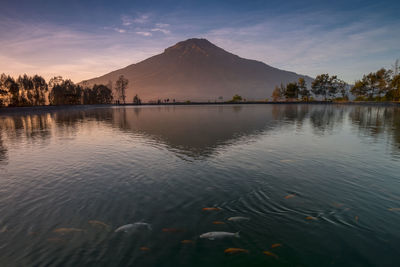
(46, 109)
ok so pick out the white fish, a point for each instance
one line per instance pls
(132, 226)
(238, 218)
(216, 235)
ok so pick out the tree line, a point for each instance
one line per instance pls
(382, 85)
(32, 91)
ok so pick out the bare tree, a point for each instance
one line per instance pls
(120, 87)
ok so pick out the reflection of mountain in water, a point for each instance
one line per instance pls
(194, 131)
(199, 130)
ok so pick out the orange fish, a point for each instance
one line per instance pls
(394, 209)
(235, 250)
(187, 241)
(290, 196)
(276, 245)
(99, 223)
(144, 249)
(311, 218)
(172, 230)
(211, 209)
(67, 230)
(269, 253)
(356, 218)
(218, 222)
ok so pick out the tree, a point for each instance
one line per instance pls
(88, 96)
(3, 90)
(99, 94)
(65, 93)
(359, 89)
(332, 89)
(120, 87)
(40, 88)
(137, 100)
(277, 94)
(292, 90)
(321, 85)
(375, 84)
(236, 98)
(341, 87)
(56, 80)
(13, 91)
(25, 85)
(102, 94)
(395, 91)
(303, 91)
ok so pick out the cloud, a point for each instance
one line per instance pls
(309, 47)
(165, 31)
(140, 19)
(162, 25)
(120, 30)
(144, 33)
(126, 21)
(50, 50)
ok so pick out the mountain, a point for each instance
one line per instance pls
(198, 70)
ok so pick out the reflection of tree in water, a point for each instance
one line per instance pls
(326, 118)
(292, 113)
(3, 151)
(376, 121)
(40, 127)
(30, 127)
(323, 118)
(198, 131)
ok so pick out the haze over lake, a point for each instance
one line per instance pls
(321, 180)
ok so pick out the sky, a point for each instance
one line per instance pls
(85, 39)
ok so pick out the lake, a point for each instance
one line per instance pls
(318, 184)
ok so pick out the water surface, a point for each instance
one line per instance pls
(322, 180)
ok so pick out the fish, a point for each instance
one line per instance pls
(172, 230)
(356, 218)
(287, 160)
(33, 233)
(132, 226)
(218, 235)
(187, 241)
(394, 209)
(290, 196)
(235, 250)
(67, 230)
(276, 245)
(269, 253)
(99, 223)
(144, 248)
(238, 218)
(218, 222)
(311, 218)
(211, 209)
(338, 205)
(4, 229)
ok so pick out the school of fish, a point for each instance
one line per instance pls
(213, 235)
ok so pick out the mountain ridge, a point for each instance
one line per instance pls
(196, 69)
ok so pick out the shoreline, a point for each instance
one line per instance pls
(46, 109)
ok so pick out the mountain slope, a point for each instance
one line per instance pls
(196, 69)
